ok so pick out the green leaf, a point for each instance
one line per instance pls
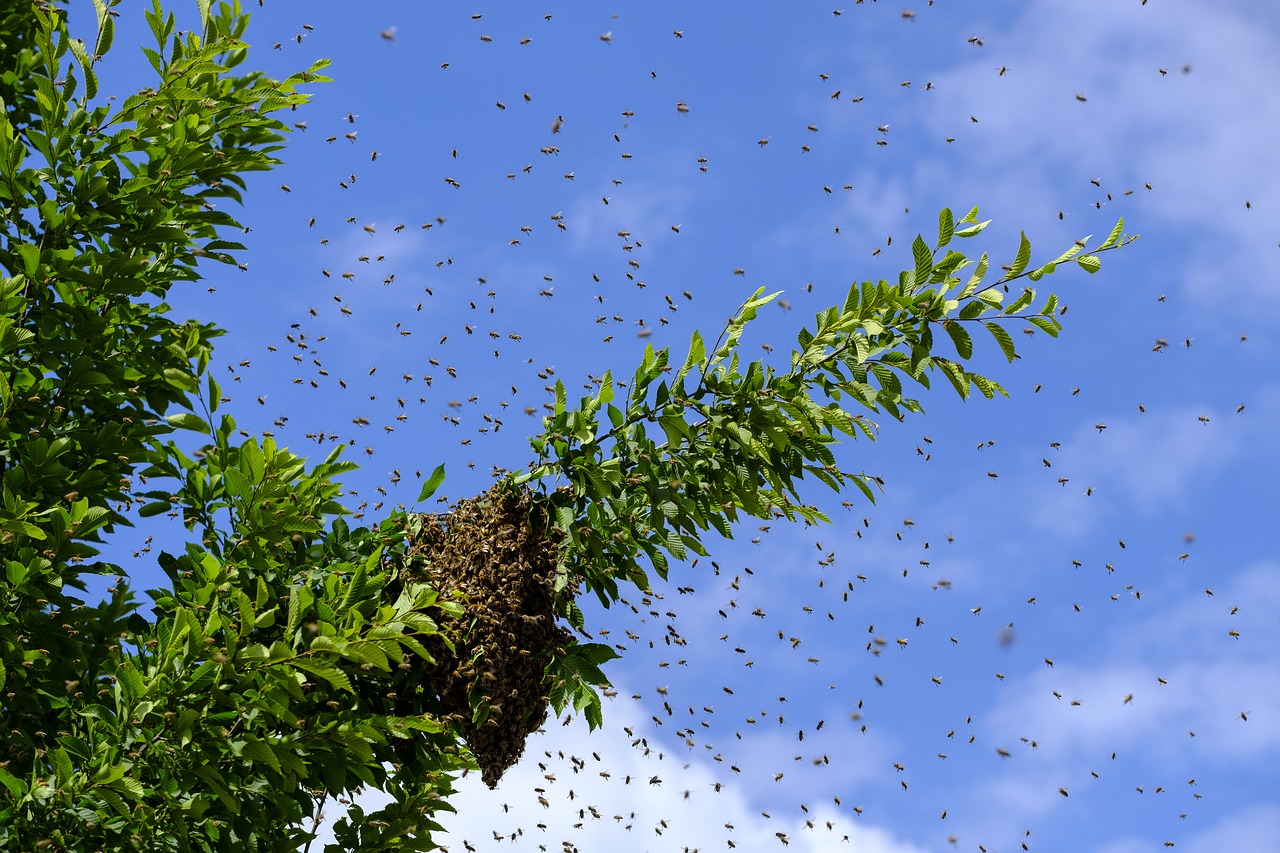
(326, 670)
(1089, 263)
(218, 785)
(30, 259)
(62, 765)
(1002, 338)
(973, 230)
(214, 392)
(974, 280)
(1048, 325)
(256, 749)
(1072, 252)
(15, 785)
(181, 378)
(594, 714)
(597, 654)
(236, 483)
(1020, 260)
(959, 337)
(432, 483)
(924, 260)
(82, 56)
(1041, 272)
(697, 352)
(251, 462)
(188, 420)
(127, 675)
(154, 508)
(956, 374)
(106, 29)
(946, 227)
(1024, 299)
(1114, 237)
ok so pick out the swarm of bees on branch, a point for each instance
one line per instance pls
(495, 554)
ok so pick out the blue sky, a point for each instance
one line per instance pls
(1082, 627)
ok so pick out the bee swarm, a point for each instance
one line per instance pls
(496, 553)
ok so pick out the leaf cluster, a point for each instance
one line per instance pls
(698, 447)
(265, 679)
(284, 663)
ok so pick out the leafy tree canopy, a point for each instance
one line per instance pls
(293, 657)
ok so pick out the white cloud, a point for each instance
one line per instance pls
(658, 801)
(632, 815)
(1143, 464)
(1251, 830)
(1112, 716)
(1200, 138)
(1212, 677)
(646, 211)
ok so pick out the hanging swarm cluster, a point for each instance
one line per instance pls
(499, 551)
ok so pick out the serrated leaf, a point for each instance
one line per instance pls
(432, 484)
(251, 462)
(181, 379)
(946, 227)
(924, 260)
(959, 337)
(1020, 260)
(30, 259)
(1114, 237)
(82, 56)
(985, 385)
(976, 279)
(1072, 252)
(214, 391)
(131, 786)
(257, 750)
(697, 352)
(62, 765)
(323, 669)
(106, 35)
(215, 781)
(15, 785)
(956, 374)
(595, 653)
(1024, 299)
(154, 508)
(1046, 324)
(1041, 272)
(188, 420)
(236, 483)
(973, 230)
(128, 675)
(1090, 263)
(1003, 338)
(593, 713)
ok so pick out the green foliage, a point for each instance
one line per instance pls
(275, 669)
(254, 690)
(697, 449)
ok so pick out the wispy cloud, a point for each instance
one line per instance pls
(598, 791)
(659, 801)
(1251, 830)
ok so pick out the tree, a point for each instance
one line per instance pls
(293, 657)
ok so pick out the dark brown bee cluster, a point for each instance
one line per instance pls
(497, 553)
